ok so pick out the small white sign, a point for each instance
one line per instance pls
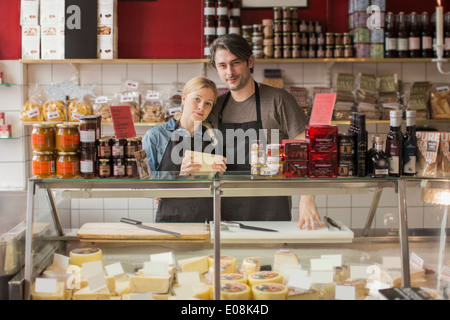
(166, 257)
(416, 261)
(392, 263)
(188, 278)
(114, 269)
(60, 261)
(359, 272)
(297, 281)
(345, 293)
(91, 269)
(322, 276)
(321, 264)
(96, 282)
(155, 268)
(336, 259)
(45, 285)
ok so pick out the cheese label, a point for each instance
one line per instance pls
(270, 287)
(231, 276)
(233, 287)
(264, 275)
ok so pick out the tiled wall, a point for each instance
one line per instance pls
(15, 155)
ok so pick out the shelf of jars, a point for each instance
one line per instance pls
(136, 124)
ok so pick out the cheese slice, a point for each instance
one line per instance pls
(83, 255)
(87, 294)
(60, 293)
(152, 284)
(311, 294)
(269, 291)
(284, 256)
(202, 291)
(250, 265)
(199, 264)
(264, 277)
(234, 291)
(111, 283)
(327, 291)
(233, 277)
(228, 262)
(122, 287)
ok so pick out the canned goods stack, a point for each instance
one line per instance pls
(322, 150)
(257, 41)
(268, 38)
(220, 17)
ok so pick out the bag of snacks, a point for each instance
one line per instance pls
(301, 96)
(132, 99)
(366, 96)
(78, 108)
(345, 97)
(32, 110)
(101, 106)
(152, 108)
(440, 102)
(428, 145)
(173, 106)
(416, 98)
(55, 110)
(444, 155)
(388, 94)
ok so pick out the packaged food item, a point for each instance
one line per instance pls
(79, 108)
(67, 137)
(43, 137)
(428, 145)
(152, 108)
(322, 164)
(295, 150)
(440, 101)
(301, 95)
(388, 94)
(101, 108)
(172, 106)
(366, 95)
(32, 110)
(417, 97)
(321, 138)
(55, 110)
(444, 155)
(345, 98)
(67, 165)
(43, 164)
(132, 99)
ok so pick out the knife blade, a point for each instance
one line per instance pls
(244, 226)
(140, 225)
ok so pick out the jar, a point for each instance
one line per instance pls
(257, 28)
(104, 147)
(303, 52)
(246, 31)
(287, 41)
(287, 52)
(118, 168)
(346, 39)
(303, 27)
(87, 163)
(320, 39)
(338, 39)
(43, 137)
(278, 52)
(268, 51)
(303, 39)
(67, 137)
(118, 148)
(338, 51)
(311, 51)
(286, 12)
(310, 28)
(348, 51)
(296, 52)
(278, 39)
(277, 26)
(293, 13)
(318, 27)
(329, 51)
(312, 40)
(268, 28)
(286, 25)
(222, 26)
(210, 8)
(209, 29)
(277, 13)
(132, 147)
(43, 164)
(235, 8)
(257, 38)
(208, 41)
(222, 8)
(131, 168)
(104, 168)
(295, 36)
(294, 25)
(329, 39)
(320, 52)
(258, 51)
(88, 132)
(235, 26)
(67, 165)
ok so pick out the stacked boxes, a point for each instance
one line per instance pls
(107, 33)
(295, 158)
(52, 18)
(31, 30)
(322, 151)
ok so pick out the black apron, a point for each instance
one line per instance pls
(182, 209)
(249, 208)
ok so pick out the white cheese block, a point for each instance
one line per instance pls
(60, 293)
(264, 277)
(152, 284)
(234, 291)
(87, 294)
(284, 256)
(269, 291)
(199, 264)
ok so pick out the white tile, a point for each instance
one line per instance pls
(110, 89)
(258, 70)
(40, 73)
(12, 175)
(62, 72)
(414, 197)
(11, 71)
(90, 73)
(115, 203)
(340, 214)
(164, 73)
(412, 72)
(75, 218)
(367, 68)
(140, 71)
(142, 215)
(314, 73)
(362, 200)
(321, 201)
(340, 68)
(187, 71)
(433, 75)
(14, 150)
(141, 203)
(433, 216)
(389, 68)
(114, 73)
(91, 204)
(388, 198)
(359, 218)
(383, 128)
(11, 98)
(415, 217)
(91, 215)
(292, 73)
(115, 215)
(75, 204)
(339, 201)
(387, 217)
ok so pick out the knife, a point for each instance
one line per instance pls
(244, 226)
(140, 225)
(332, 222)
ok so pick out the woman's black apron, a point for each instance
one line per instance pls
(182, 209)
(249, 208)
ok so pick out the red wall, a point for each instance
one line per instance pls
(173, 28)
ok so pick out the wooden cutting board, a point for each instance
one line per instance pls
(123, 231)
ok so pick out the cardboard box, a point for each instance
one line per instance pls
(107, 42)
(107, 12)
(52, 42)
(52, 13)
(31, 36)
(29, 12)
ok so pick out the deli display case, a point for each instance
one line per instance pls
(335, 259)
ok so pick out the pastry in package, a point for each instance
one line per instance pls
(132, 99)
(152, 109)
(428, 145)
(440, 102)
(32, 110)
(79, 108)
(55, 110)
(444, 155)
(101, 108)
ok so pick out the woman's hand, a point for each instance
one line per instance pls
(188, 166)
(308, 213)
(219, 165)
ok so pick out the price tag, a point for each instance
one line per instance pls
(322, 110)
(45, 285)
(132, 85)
(60, 261)
(101, 99)
(155, 268)
(123, 122)
(152, 95)
(114, 269)
(188, 278)
(416, 261)
(345, 293)
(126, 98)
(299, 282)
(166, 257)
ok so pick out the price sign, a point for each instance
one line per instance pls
(322, 109)
(123, 122)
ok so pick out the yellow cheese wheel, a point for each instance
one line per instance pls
(228, 261)
(83, 255)
(269, 291)
(233, 277)
(264, 277)
(234, 291)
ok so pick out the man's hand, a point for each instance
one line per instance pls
(308, 213)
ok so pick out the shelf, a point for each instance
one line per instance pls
(8, 84)
(114, 61)
(136, 124)
(11, 138)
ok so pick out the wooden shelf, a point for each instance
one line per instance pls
(114, 61)
(136, 124)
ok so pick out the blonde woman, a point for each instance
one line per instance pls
(166, 144)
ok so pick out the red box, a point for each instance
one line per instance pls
(323, 164)
(296, 169)
(321, 138)
(295, 150)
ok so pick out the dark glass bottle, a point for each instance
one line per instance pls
(361, 145)
(447, 35)
(402, 36)
(370, 153)
(414, 36)
(379, 160)
(410, 145)
(427, 36)
(390, 37)
(394, 144)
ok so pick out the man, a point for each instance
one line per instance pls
(250, 106)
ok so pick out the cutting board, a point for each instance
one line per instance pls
(288, 233)
(123, 231)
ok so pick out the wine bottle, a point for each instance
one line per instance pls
(410, 145)
(361, 145)
(394, 144)
(379, 161)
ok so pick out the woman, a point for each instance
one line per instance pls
(166, 144)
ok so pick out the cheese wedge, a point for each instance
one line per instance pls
(228, 262)
(234, 291)
(122, 287)
(311, 294)
(152, 284)
(264, 277)
(202, 291)
(250, 265)
(60, 293)
(284, 256)
(269, 291)
(87, 294)
(83, 255)
(199, 264)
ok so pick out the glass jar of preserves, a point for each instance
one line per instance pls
(303, 39)
(88, 132)
(286, 11)
(131, 168)
(235, 26)
(302, 26)
(338, 51)
(235, 8)
(286, 25)
(329, 39)
(312, 39)
(118, 148)
(222, 26)
(43, 164)
(320, 52)
(293, 13)
(320, 39)
(277, 13)
(296, 52)
(209, 8)
(278, 39)
(346, 39)
(348, 51)
(278, 52)
(67, 137)
(104, 168)
(287, 40)
(68, 165)
(338, 39)
(287, 52)
(277, 26)
(87, 163)
(303, 52)
(295, 38)
(118, 168)
(311, 51)
(104, 147)
(222, 8)
(132, 147)
(329, 51)
(209, 28)
(43, 137)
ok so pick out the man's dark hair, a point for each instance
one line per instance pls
(234, 43)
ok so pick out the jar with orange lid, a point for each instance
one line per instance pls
(43, 164)
(67, 137)
(43, 137)
(68, 165)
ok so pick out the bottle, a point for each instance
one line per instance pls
(394, 144)
(447, 34)
(390, 37)
(361, 145)
(370, 152)
(379, 160)
(410, 145)
(402, 36)
(414, 36)
(427, 36)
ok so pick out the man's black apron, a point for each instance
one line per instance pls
(249, 208)
(182, 209)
